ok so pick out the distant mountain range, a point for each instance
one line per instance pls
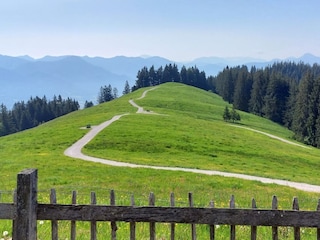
(80, 78)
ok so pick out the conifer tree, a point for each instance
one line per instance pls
(226, 114)
(126, 89)
(258, 92)
(242, 90)
(234, 115)
(276, 98)
(301, 109)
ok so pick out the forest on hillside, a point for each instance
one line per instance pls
(25, 115)
(287, 93)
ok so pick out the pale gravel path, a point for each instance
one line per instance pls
(75, 152)
(272, 136)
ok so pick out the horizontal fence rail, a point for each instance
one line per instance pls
(251, 217)
(26, 211)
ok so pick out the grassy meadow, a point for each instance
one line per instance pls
(188, 131)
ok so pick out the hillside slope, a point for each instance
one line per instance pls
(190, 133)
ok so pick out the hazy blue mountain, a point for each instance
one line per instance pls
(306, 58)
(8, 62)
(128, 66)
(81, 77)
(224, 61)
(70, 77)
(26, 57)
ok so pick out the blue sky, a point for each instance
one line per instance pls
(180, 30)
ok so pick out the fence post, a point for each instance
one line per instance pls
(114, 227)
(132, 224)
(318, 229)
(93, 223)
(26, 218)
(54, 223)
(73, 223)
(152, 225)
(274, 228)
(14, 221)
(296, 230)
(193, 226)
(172, 225)
(212, 230)
(253, 228)
(232, 205)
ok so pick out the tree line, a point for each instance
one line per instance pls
(170, 73)
(108, 93)
(287, 93)
(25, 115)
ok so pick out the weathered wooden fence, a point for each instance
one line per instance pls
(26, 211)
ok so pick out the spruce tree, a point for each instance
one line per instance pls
(226, 114)
(234, 115)
(126, 89)
(258, 92)
(301, 109)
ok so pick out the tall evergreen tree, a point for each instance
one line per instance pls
(242, 90)
(289, 115)
(301, 109)
(313, 115)
(88, 104)
(106, 94)
(276, 98)
(184, 75)
(126, 89)
(226, 114)
(258, 92)
(234, 115)
(227, 85)
(7, 123)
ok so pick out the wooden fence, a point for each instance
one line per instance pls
(26, 211)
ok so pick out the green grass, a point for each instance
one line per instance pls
(190, 133)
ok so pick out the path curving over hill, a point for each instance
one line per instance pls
(272, 136)
(75, 152)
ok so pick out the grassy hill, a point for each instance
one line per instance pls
(189, 133)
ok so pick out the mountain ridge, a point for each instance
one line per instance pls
(80, 77)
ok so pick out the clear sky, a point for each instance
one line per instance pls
(179, 30)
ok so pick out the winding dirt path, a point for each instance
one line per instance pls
(272, 136)
(75, 152)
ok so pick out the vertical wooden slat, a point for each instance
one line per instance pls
(212, 227)
(193, 226)
(114, 227)
(93, 225)
(14, 221)
(318, 229)
(73, 223)
(274, 228)
(132, 224)
(232, 227)
(172, 225)
(296, 230)
(152, 224)
(253, 228)
(26, 215)
(54, 223)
